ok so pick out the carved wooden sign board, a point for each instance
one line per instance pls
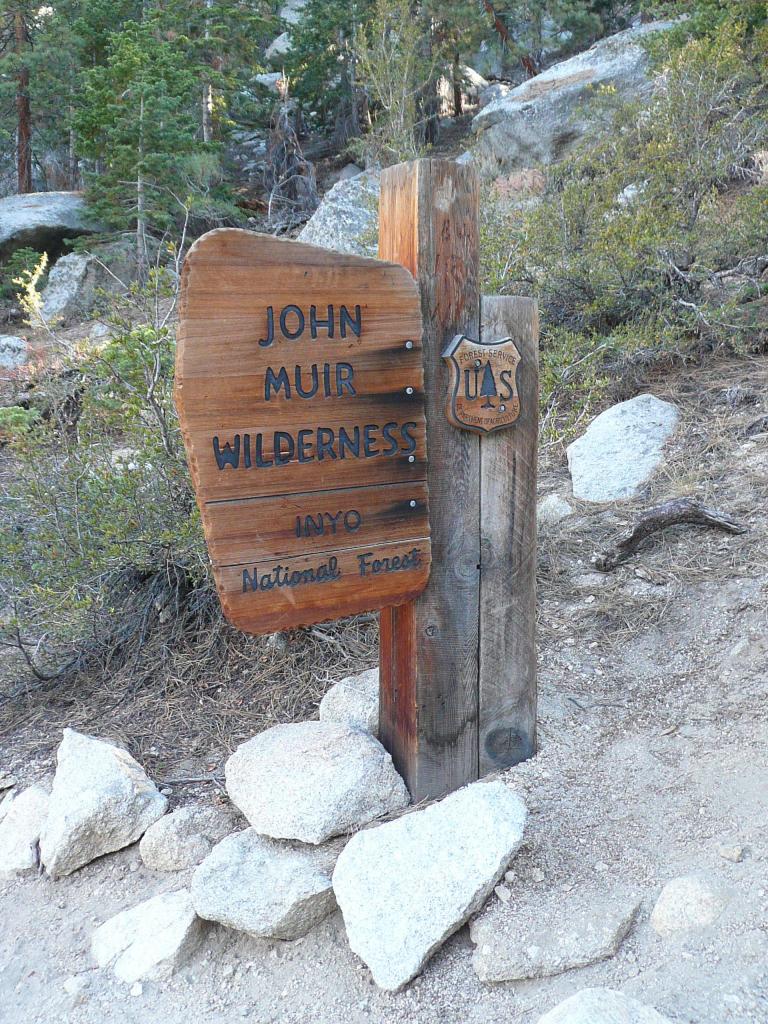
(299, 387)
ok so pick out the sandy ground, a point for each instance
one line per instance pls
(653, 757)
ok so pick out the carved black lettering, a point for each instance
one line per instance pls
(345, 442)
(470, 378)
(332, 520)
(275, 381)
(250, 580)
(355, 323)
(392, 442)
(313, 526)
(303, 446)
(247, 451)
(282, 437)
(406, 432)
(314, 323)
(229, 455)
(344, 376)
(304, 392)
(285, 312)
(266, 342)
(369, 442)
(505, 377)
(352, 520)
(261, 462)
(325, 439)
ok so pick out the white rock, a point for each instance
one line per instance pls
(552, 509)
(77, 281)
(687, 903)
(279, 47)
(347, 218)
(20, 829)
(405, 886)
(354, 701)
(13, 351)
(42, 220)
(549, 935)
(264, 887)
(539, 121)
(313, 780)
(621, 449)
(270, 80)
(602, 1006)
(291, 11)
(101, 801)
(184, 838)
(150, 940)
(348, 171)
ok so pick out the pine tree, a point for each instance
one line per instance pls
(488, 388)
(138, 122)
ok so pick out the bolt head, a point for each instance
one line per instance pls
(409, 391)
(412, 503)
(411, 458)
(409, 344)
(502, 408)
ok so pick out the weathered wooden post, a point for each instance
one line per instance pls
(457, 665)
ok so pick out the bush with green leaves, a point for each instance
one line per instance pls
(21, 262)
(98, 525)
(647, 239)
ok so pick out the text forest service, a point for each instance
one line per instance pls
(299, 386)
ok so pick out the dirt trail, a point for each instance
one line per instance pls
(654, 756)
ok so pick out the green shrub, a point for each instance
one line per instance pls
(637, 231)
(20, 263)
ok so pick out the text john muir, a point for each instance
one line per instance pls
(300, 390)
(307, 382)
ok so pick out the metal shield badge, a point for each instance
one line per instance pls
(483, 396)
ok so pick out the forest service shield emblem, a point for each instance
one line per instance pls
(483, 394)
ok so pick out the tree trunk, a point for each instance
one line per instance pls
(458, 104)
(207, 112)
(73, 164)
(141, 221)
(23, 110)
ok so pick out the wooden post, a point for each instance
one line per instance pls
(457, 665)
(428, 652)
(508, 552)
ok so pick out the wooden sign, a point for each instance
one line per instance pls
(483, 393)
(299, 387)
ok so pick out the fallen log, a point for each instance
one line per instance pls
(677, 512)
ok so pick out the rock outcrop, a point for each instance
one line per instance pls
(42, 220)
(536, 122)
(347, 218)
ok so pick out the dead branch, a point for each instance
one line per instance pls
(678, 512)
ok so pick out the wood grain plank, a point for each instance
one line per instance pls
(508, 547)
(349, 592)
(299, 380)
(269, 527)
(429, 665)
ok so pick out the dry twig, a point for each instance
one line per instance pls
(678, 512)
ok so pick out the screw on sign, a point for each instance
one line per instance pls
(299, 386)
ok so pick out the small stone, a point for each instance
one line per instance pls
(7, 781)
(101, 801)
(150, 940)
(137, 988)
(503, 893)
(536, 875)
(551, 510)
(20, 829)
(510, 877)
(685, 904)
(547, 935)
(313, 780)
(263, 887)
(405, 886)
(354, 701)
(76, 986)
(735, 854)
(184, 838)
(13, 351)
(602, 1006)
